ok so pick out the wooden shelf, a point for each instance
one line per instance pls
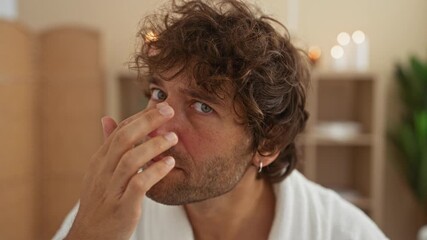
(363, 139)
(362, 203)
(356, 198)
(359, 140)
(343, 76)
(342, 147)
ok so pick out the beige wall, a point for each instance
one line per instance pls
(116, 20)
(396, 28)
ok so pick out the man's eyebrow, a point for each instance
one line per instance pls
(199, 94)
(202, 95)
(154, 80)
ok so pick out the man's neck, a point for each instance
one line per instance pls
(246, 212)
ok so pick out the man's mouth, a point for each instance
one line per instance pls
(155, 159)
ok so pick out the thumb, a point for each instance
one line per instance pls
(108, 126)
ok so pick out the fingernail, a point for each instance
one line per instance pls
(165, 109)
(102, 123)
(171, 137)
(169, 161)
(103, 128)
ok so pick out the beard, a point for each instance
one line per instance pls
(197, 180)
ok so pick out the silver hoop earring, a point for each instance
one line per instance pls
(260, 167)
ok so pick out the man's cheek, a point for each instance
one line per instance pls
(194, 146)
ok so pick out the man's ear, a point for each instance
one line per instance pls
(265, 158)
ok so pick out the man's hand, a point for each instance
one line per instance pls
(110, 203)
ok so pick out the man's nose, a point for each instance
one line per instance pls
(172, 125)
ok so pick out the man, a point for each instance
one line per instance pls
(214, 150)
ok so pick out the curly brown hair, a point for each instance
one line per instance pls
(228, 43)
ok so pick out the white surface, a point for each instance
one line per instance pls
(339, 130)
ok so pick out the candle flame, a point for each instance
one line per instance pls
(150, 37)
(358, 37)
(337, 52)
(314, 53)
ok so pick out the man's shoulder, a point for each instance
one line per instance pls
(309, 192)
(323, 211)
(319, 201)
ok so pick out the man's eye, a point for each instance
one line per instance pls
(158, 94)
(202, 107)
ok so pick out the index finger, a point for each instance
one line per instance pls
(126, 137)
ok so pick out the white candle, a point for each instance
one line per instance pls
(344, 39)
(339, 60)
(8, 9)
(362, 51)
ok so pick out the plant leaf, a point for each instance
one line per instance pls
(411, 134)
(408, 145)
(419, 69)
(422, 178)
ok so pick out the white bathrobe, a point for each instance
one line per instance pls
(304, 211)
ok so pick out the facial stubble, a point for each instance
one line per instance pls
(196, 180)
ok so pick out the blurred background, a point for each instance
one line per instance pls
(64, 65)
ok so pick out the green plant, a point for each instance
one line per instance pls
(410, 136)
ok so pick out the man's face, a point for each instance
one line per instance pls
(213, 151)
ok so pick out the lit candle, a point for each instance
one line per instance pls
(362, 50)
(8, 9)
(344, 39)
(314, 54)
(150, 37)
(339, 62)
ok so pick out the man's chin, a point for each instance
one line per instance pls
(168, 190)
(174, 189)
